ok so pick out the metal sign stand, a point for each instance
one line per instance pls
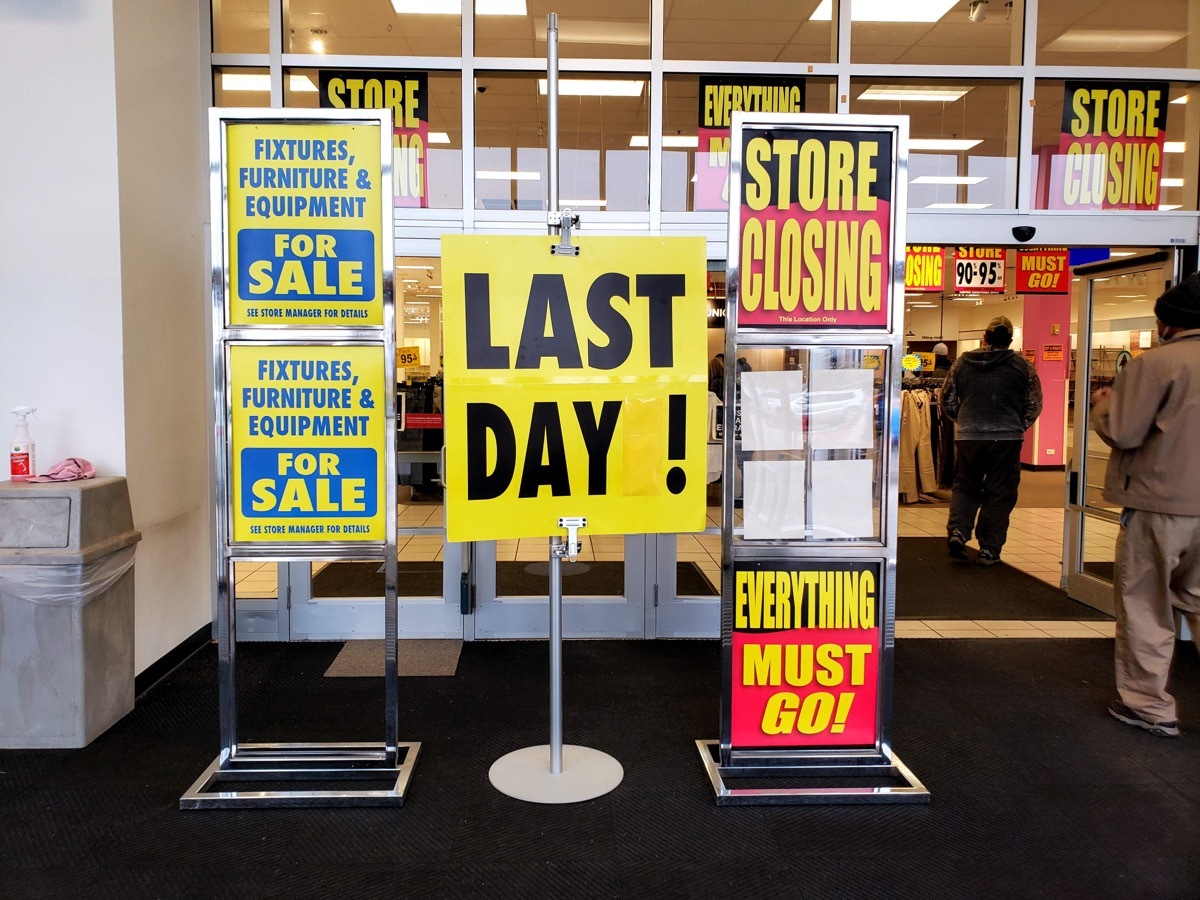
(555, 773)
(750, 757)
(301, 774)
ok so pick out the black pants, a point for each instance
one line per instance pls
(986, 477)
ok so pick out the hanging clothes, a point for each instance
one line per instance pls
(917, 474)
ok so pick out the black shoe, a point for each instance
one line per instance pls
(1123, 713)
(957, 545)
(987, 558)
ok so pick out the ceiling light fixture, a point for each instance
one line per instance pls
(454, 7)
(668, 140)
(1113, 40)
(900, 93)
(888, 10)
(1175, 146)
(1171, 182)
(245, 81)
(486, 175)
(439, 137)
(594, 87)
(942, 143)
(958, 206)
(948, 179)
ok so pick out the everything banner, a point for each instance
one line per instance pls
(807, 641)
(304, 224)
(406, 94)
(1111, 144)
(815, 220)
(575, 385)
(720, 97)
(307, 437)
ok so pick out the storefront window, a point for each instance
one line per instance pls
(962, 138)
(937, 32)
(241, 87)
(757, 30)
(616, 29)
(242, 27)
(1139, 148)
(597, 118)
(373, 27)
(687, 120)
(427, 159)
(1159, 33)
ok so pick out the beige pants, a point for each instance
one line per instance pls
(1157, 573)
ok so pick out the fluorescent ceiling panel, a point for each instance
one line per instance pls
(246, 81)
(1171, 182)
(583, 31)
(949, 179)
(454, 7)
(581, 204)
(958, 206)
(1175, 146)
(439, 137)
(1113, 40)
(594, 87)
(486, 175)
(900, 94)
(888, 10)
(942, 143)
(668, 140)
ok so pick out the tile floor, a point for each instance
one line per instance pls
(1034, 546)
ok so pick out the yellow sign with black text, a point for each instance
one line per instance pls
(306, 445)
(574, 385)
(304, 226)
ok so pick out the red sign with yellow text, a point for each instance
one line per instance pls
(815, 226)
(1110, 146)
(924, 268)
(1043, 271)
(806, 655)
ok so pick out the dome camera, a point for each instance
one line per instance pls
(1024, 233)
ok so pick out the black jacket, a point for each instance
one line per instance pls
(993, 395)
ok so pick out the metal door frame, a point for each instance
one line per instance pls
(1084, 586)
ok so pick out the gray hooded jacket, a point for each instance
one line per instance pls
(993, 395)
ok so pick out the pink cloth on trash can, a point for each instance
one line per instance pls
(73, 468)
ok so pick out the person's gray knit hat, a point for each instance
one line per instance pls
(1179, 307)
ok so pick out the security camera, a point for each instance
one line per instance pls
(481, 88)
(978, 10)
(1024, 233)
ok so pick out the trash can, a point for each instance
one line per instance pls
(66, 611)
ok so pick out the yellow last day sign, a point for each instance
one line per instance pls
(304, 224)
(307, 443)
(575, 385)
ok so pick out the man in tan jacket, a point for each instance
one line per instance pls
(1151, 419)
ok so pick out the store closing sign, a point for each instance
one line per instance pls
(406, 94)
(806, 648)
(1110, 149)
(815, 224)
(575, 385)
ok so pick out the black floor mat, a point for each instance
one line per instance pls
(1036, 792)
(930, 585)
(513, 579)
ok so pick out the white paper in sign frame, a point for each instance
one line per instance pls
(772, 410)
(773, 500)
(842, 499)
(841, 409)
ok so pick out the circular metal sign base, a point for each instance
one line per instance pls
(525, 774)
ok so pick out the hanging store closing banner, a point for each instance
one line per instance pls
(924, 269)
(806, 649)
(303, 232)
(815, 227)
(406, 94)
(720, 98)
(575, 385)
(306, 443)
(1111, 145)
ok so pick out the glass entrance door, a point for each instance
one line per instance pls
(1115, 322)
